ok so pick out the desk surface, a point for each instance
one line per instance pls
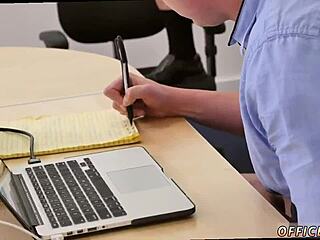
(43, 81)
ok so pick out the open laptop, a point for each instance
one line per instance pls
(92, 192)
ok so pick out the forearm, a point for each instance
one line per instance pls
(218, 110)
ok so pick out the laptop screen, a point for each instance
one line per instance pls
(9, 195)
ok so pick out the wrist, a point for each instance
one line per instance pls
(180, 102)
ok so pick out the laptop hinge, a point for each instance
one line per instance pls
(27, 201)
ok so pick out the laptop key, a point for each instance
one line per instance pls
(87, 210)
(103, 213)
(78, 219)
(88, 161)
(110, 200)
(54, 224)
(114, 207)
(65, 222)
(91, 217)
(119, 213)
(82, 164)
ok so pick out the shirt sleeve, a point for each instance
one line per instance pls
(287, 72)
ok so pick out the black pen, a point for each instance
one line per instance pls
(122, 56)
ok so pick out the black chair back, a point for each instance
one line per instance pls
(102, 21)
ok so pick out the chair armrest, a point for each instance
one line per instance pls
(54, 39)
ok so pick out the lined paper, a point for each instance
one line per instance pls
(70, 132)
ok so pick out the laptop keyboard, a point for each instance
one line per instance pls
(70, 194)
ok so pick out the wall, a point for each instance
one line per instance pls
(20, 25)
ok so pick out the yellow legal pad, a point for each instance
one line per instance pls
(64, 133)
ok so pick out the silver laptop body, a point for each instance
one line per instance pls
(92, 192)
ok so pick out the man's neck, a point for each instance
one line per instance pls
(235, 9)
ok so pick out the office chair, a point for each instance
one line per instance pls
(102, 21)
(99, 22)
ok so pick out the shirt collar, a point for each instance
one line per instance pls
(244, 22)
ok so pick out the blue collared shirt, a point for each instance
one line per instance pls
(280, 97)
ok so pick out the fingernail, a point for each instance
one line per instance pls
(137, 118)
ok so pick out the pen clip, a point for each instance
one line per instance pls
(120, 50)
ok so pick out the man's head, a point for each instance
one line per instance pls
(206, 12)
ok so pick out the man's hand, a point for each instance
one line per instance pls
(148, 97)
(215, 109)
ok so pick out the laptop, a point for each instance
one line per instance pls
(92, 192)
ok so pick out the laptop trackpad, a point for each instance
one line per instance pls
(138, 179)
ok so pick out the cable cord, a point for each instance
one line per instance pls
(20, 229)
(13, 130)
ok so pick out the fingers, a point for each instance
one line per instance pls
(120, 108)
(113, 91)
(134, 93)
(138, 110)
(139, 80)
